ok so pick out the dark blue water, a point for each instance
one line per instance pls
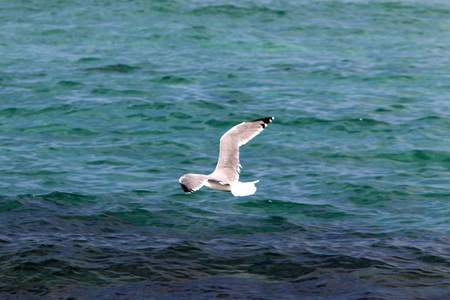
(104, 105)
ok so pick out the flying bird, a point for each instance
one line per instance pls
(225, 177)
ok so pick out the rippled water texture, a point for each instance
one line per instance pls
(105, 104)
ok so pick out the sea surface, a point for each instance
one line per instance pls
(105, 104)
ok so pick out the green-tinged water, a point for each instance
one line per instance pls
(104, 105)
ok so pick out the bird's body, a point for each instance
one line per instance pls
(225, 177)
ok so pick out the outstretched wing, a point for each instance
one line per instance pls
(192, 182)
(228, 166)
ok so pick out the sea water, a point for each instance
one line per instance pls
(105, 104)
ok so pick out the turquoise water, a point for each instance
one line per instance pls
(104, 105)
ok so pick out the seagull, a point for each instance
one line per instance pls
(225, 177)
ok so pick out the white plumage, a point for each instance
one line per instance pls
(225, 177)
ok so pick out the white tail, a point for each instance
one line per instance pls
(239, 189)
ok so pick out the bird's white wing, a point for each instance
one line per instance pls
(228, 166)
(192, 182)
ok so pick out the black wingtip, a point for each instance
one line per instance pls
(186, 189)
(265, 120)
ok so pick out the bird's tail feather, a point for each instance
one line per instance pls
(239, 189)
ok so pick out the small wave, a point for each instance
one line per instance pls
(416, 156)
(7, 205)
(59, 130)
(13, 112)
(345, 124)
(236, 11)
(152, 106)
(175, 80)
(214, 106)
(115, 92)
(391, 77)
(117, 68)
(318, 211)
(70, 84)
(267, 225)
(109, 162)
(68, 198)
(304, 121)
(88, 59)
